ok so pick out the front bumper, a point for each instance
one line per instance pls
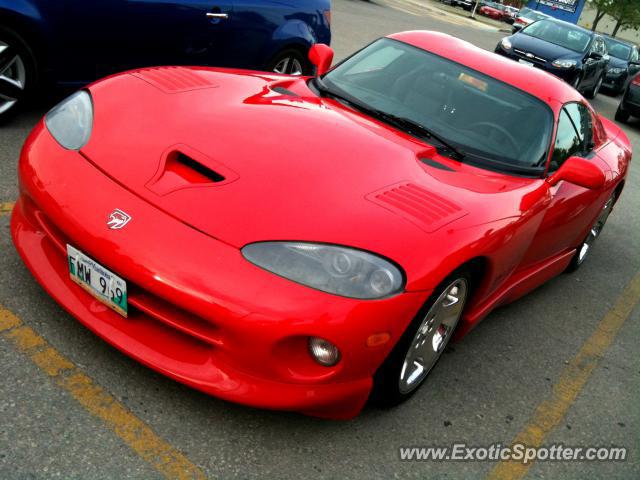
(615, 81)
(566, 74)
(200, 313)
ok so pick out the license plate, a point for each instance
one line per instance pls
(524, 62)
(104, 285)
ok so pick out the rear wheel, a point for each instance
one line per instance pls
(422, 344)
(622, 115)
(596, 229)
(17, 72)
(290, 62)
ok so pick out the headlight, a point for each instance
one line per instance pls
(332, 269)
(564, 63)
(70, 122)
(506, 44)
(616, 70)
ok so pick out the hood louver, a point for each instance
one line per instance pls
(420, 206)
(173, 79)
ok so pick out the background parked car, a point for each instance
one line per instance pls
(512, 14)
(74, 42)
(575, 54)
(630, 104)
(465, 4)
(525, 17)
(493, 10)
(623, 64)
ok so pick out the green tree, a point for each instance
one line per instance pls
(626, 14)
(602, 8)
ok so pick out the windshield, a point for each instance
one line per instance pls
(559, 34)
(617, 49)
(479, 115)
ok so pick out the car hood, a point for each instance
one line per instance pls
(247, 157)
(615, 62)
(542, 48)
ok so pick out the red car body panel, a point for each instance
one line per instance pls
(493, 12)
(296, 167)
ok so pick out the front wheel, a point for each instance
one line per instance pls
(622, 115)
(596, 229)
(593, 93)
(17, 72)
(290, 62)
(576, 81)
(422, 344)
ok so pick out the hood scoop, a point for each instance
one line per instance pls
(173, 79)
(183, 167)
(420, 206)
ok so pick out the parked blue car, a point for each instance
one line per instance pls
(73, 42)
(575, 54)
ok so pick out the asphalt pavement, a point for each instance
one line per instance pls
(488, 388)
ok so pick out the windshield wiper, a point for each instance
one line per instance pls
(402, 123)
(422, 131)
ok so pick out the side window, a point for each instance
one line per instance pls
(634, 54)
(597, 46)
(377, 60)
(583, 122)
(568, 142)
(602, 48)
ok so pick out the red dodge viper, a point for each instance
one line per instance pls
(308, 244)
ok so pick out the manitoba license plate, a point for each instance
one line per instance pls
(106, 286)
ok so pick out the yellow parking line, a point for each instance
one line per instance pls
(134, 432)
(5, 208)
(572, 379)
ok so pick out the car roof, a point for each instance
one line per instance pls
(573, 26)
(534, 81)
(618, 40)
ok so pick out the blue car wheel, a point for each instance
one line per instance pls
(17, 72)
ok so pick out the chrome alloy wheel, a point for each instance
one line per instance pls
(288, 66)
(595, 231)
(433, 335)
(13, 76)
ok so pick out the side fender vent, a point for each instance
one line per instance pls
(425, 209)
(173, 79)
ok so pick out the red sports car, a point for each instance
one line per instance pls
(309, 243)
(496, 12)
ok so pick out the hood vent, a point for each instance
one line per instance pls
(420, 206)
(184, 167)
(173, 79)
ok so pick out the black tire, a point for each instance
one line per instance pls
(20, 64)
(593, 92)
(577, 81)
(386, 390)
(622, 115)
(292, 57)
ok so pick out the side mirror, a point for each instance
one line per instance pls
(594, 55)
(580, 172)
(321, 56)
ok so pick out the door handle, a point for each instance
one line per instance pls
(219, 16)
